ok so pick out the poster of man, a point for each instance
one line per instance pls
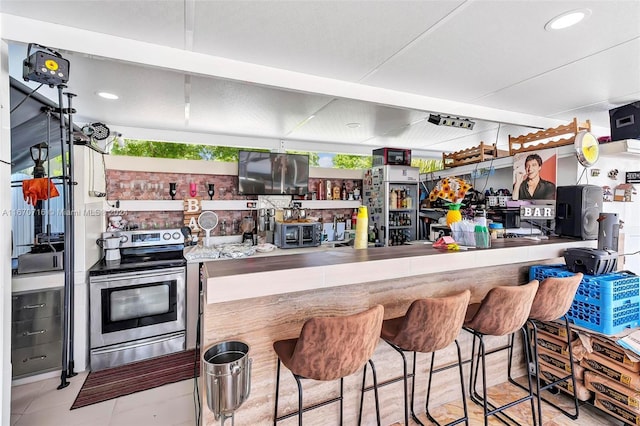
(534, 175)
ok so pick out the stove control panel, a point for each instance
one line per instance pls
(149, 238)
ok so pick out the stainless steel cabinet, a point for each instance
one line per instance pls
(36, 332)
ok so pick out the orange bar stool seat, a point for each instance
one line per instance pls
(503, 311)
(552, 302)
(329, 348)
(430, 324)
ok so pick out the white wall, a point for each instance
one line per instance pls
(5, 239)
(627, 212)
(88, 226)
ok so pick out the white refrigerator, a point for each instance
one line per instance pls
(391, 195)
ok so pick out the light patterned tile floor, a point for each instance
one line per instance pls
(40, 404)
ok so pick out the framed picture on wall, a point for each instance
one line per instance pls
(535, 175)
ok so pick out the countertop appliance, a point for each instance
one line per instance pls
(138, 305)
(391, 156)
(298, 234)
(391, 195)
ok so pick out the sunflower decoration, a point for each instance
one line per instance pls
(451, 190)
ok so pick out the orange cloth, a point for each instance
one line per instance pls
(38, 189)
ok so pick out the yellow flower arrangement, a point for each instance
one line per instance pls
(452, 190)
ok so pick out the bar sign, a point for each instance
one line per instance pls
(546, 212)
(632, 177)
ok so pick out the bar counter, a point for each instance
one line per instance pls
(259, 300)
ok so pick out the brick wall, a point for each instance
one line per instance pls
(137, 185)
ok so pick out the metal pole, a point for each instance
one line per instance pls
(71, 231)
(68, 263)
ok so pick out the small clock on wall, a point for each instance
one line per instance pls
(587, 148)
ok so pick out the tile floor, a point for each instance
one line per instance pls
(40, 404)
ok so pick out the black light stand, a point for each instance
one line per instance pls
(52, 69)
(69, 264)
(71, 215)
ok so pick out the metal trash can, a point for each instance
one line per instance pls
(228, 377)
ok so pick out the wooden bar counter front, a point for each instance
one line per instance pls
(261, 300)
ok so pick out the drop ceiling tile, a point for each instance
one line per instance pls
(233, 108)
(490, 45)
(343, 40)
(153, 21)
(586, 82)
(149, 97)
(375, 120)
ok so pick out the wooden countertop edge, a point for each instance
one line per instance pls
(257, 277)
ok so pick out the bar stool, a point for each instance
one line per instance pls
(552, 302)
(429, 325)
(503, 311)
(329, 348)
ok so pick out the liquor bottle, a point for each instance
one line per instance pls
(321, 191)
(393, 202)
(356, 191)
(328, 194)
(354, 218)
(336, 192)
(344, 194)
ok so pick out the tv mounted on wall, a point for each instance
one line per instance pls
(268, 173)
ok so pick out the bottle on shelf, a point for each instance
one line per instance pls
(322, 195)
(336, 192)
(393, 202)
(356, 191)
(354, 218)
(328, 193)
(344, 195)
(223, 228)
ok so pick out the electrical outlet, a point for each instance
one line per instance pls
(251, 204)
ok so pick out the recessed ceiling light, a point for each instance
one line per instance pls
(567, 19)
(107, 95)
(353, 125)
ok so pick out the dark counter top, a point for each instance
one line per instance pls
(254, 277)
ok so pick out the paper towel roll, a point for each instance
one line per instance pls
(362, 228)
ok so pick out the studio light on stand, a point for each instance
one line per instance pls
(39, 154)
(444, 120)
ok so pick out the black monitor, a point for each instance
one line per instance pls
(268, 173)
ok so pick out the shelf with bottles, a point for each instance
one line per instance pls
(401, 198)
(221, 205)
(398, 237)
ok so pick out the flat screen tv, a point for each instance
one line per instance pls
(268, 173)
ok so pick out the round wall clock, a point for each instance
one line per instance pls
(587, 148)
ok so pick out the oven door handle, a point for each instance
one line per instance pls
(144, 342)
(142, 274)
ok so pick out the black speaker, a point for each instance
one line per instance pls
(608, 231)
(578, 208)
(625, 122)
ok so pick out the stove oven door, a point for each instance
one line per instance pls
(127, 307)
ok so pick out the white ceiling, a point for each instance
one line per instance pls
(251, 73)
